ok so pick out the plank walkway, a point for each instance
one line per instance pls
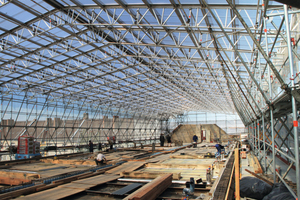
(71, 188)
(178, 166)
(126, 167)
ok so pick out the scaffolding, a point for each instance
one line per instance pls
(74, 71)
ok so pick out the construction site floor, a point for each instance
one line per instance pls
(183, 162)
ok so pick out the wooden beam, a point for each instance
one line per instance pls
(257, 166)
(274, 137)
(153, 189)
(14, 177)
(214, 186)
(187, 156)
(13, 181)
(19, 174)
(148, 175)
(260, 177)
(37, 159)
(268, 138)
(237, 173)
(180, 166)
(73, 178)
(46, 187)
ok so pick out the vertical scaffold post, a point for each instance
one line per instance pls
(237, 173)
(294, 107)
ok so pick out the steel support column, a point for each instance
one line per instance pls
(294, 107)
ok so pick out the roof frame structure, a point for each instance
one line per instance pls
(146, 62)
(131, 55)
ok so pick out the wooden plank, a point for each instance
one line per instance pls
(237, 173)
(34, 167)
(69, 179)
(153, 189)
(13, 181)
(158, 158)
(13, 194)
(82, 176)
(70, 162)
(45, 187)
(127, 167)
(98, 180)
(54, 193)
(258, 168)
(52, 173)
(214, 186)
(72, 188)
(89, 161)
(18, 174)
(73, 178)
(180, 166)
(148, 175)
(7, 163)
(187, 156)
(77, 186)
(196, 162)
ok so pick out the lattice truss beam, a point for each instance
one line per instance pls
(171, 57)
(269, 70)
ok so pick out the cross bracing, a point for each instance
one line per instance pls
(146, 62)
(121, 53)
(126, 52)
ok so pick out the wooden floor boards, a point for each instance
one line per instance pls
(71, 188)
(126, 167)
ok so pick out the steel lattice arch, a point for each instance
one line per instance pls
(75, 70)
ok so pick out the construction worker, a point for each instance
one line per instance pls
(169, 140)
(110, 142)
(91, 146)
(222, 148)
(100, 159)
(218, 146)
(99, 146)
(195, 138)
(162, 140)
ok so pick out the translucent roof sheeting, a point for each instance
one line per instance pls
(159, 56)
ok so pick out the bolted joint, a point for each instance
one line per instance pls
(289, 91)
(271, 107)
(284, 86)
